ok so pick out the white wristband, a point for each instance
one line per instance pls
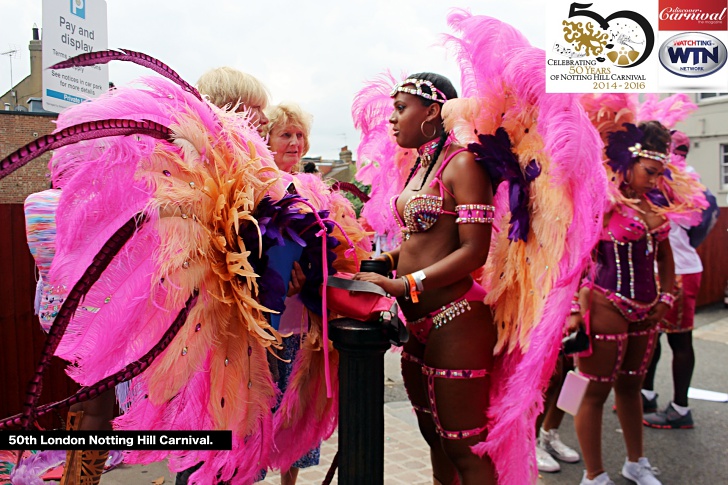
(419, 277)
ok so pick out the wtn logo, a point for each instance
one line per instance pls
(692, 54)
(78, 8)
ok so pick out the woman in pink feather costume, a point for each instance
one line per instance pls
(538, 162)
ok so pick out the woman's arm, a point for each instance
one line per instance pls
(394, 253)
(665, 266)
(470, 184)
(666, 274)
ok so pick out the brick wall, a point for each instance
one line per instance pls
(17, 129)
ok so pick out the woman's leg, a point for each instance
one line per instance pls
(683, 363)
(288, 477)
(649, 382)
(552, 416)
(628, 386)
(461, 404)
(443, 470)
(84, 467)
(608, 330)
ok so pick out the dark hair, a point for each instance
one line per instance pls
(445, 86)
(310, 167)
(656, 136)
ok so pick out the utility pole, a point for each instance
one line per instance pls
(13, 52)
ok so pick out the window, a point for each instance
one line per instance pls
(704, 96)
(724, 165)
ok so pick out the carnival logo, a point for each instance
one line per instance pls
(693, 54)
(624, 38)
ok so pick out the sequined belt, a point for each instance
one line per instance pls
(446, 313)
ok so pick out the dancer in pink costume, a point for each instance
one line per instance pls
(173, 206)
(537, 156)
(622, 301)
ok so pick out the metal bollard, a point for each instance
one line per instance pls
(361, 349)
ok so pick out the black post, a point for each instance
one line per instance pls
(361, 349)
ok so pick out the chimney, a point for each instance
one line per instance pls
(36, 48)
(345, 154)
(7, 106)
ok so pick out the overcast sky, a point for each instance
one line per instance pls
(317, 53)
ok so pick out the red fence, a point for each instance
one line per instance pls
(21, 338)
(714, 253)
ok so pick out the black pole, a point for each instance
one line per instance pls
(361, 349)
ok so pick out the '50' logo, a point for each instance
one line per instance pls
(624, 47)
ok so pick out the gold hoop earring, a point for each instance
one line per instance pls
(422, 129)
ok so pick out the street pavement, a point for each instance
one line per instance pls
(684, 457)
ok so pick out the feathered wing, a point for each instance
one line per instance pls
(306, 416)
(198, 188)
(381, 163)
(106, 56)
(542, 146)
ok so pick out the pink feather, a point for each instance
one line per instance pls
(574, 150)
(481, 45)
(104, 57)
(381, 163)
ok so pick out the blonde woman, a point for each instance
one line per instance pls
(229, 88)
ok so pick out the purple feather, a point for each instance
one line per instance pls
(279, 220)
(658, 198)
(620, 158)
(104, 57)
(73, 134)
(30, 470)
(495, 154)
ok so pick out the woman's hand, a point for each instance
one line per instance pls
(574, 323)
(298, 279)
(393, 287)
(657, 313)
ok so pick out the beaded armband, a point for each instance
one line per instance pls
(575, 307)
(667, 298)
(474, 214)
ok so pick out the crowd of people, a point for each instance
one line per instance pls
(511, 218)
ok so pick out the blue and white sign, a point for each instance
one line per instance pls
(78, 8)
(70, 28)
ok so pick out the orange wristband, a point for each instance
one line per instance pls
(413, 288)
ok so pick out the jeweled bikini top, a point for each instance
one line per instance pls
(625, 225)
(422, 211)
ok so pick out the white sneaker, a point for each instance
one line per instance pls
(602, 479)
(549, 441)
(642, 473)
(545, 462)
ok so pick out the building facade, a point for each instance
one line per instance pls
(707, 128)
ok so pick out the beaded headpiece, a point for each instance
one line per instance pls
(624, 146)
(434, 94)
(637, 151)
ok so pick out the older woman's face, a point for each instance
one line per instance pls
(287, 144)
